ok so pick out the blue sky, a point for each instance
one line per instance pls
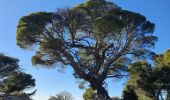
(50, 81)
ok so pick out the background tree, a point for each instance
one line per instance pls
(52, 98)
(116, 98)
(7, 65)
(129, 93)
(17, 83)
(62, 96)
(151, 81)
(13, 81)
(131, 87)
(89, 94)
(97, 39)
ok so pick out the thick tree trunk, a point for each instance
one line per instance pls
(102, 93)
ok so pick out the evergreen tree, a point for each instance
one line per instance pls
(97, 39)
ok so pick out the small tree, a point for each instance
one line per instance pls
(52, 98)
(89, 94)
(116, 98)
(62, 96)
(97, 39)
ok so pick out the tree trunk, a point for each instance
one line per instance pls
(158, 94)
(102, 93)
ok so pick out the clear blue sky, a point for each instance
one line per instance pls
(50, 81)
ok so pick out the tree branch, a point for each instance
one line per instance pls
(107, 64)
(116, 76)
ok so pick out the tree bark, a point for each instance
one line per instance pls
(102, 93)
(158, 94)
